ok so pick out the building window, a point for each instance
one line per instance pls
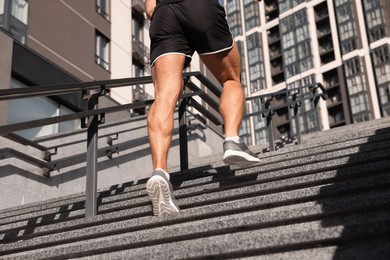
(347, 27)
(14, 18)
(245, 132)
(251, 10)
(295, 37)
(259, 123)
(375, 19)
(19, 10)
(102, 54)
(240, 48)
(261, 130)
(140, 51)
(381, 58)
(234, 16)
(356, 90)
(1, 7)
(102, 8)
(285, 5)
(138, 91)
(233, 6)
(27, 109)
(255, 62)
(137, 29)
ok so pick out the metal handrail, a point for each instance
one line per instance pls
(93, 117)
(296, 97)
(48, 165)
(50, 90)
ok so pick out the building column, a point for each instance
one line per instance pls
(6, 47)
(369, 70)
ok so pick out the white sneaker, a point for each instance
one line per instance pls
(160, 191)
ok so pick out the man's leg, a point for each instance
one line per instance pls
(167, 78)
(225, 66)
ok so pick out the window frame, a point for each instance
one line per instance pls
(103, 62)
(103, 9)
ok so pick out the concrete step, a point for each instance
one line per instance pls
(370, 192)
(282, 212)
(305, 199)
(362, 127)
(237, 234)
(206, 183)
(211, 181)
(358, 150)
(373, 249)
(337, 142)
(237, 245)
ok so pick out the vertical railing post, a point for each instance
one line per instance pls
(316, 98)
(317, 113)
(295, 104)
(268, 116)
(92, 146)
(183, 135)
(270, 127)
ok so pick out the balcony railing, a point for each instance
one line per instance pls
(140, 51)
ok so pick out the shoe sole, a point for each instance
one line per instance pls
(239, 158)
(160, 194)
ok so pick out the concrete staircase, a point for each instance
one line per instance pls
(328, 198)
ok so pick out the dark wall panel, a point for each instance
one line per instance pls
(33, 70)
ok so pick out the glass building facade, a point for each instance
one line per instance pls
(381, 60)
(346, 22)
(296, 46)
(375, 20)
(288, 44)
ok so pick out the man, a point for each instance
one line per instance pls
(178, 29)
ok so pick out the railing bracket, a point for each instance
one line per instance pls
(48, 155)
(84, 121)
(46, 172)
(110, 152)
(102, 118)
(110, 139)
(104, 90)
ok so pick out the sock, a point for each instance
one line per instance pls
(166, 174)
(235, 139)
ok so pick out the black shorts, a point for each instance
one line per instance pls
(183, 27)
